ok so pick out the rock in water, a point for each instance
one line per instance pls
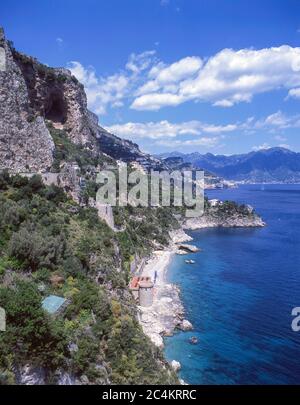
(185, 325)
(176, 366)
(193, 340)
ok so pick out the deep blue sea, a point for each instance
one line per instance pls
(240, 293)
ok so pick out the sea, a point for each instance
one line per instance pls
(240, 293)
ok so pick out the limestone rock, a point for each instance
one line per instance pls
(32, 94)
(28, 375)
(185, 325)
(25, 142)
(208, 221)
(176, 366)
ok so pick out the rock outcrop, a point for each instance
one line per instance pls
(234, 221)
(226, 214)
(32, 94)
(176, 366)
(25, 142)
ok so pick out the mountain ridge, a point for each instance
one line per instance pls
(272, 165)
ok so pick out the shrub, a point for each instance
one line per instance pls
(30, 333)
(36, 249)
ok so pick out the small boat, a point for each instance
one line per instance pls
(190, 261)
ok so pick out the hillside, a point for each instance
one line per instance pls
(51, 245)
(56, 243)
(211, 180)
(274, 165)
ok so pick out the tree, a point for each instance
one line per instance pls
(31, 334)
(36, 249)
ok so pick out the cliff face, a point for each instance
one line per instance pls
(32, 94)
(24, 143)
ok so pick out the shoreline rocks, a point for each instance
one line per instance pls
(187, 248)
(230, 222)
(164, 316)
(167, 312)
(176, 366)
(185, 325)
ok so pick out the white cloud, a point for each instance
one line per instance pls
(278, 120)
(225, 79)
(223, 103)
(162, 89)
(280, 138)
(198, 133)
(177, 71)
(139, 62)
(166, 129)
(203, 141)
(60, 43)
(164, 3)
(101, 92)
(167, 77)
(114, 89)
(264, 146)
(153, 102)
(295, 93)
(166, 133)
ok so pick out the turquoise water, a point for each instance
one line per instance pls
(240, 293)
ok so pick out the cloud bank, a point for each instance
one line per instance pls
(225, 79)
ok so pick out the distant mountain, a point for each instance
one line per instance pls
(172, 163)
(274, 165)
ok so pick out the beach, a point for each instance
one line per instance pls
(167, 312)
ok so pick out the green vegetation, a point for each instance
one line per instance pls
(67, 151)
(142, 227)
(231, 208)
(50, 245)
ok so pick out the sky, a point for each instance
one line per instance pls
(218, 76)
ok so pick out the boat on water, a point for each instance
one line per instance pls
(190, 261)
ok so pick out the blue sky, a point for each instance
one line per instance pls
(220, 76)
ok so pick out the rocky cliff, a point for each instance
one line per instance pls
(24, 142)
(33, 94)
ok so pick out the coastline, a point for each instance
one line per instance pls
(167, 311)
(214, 222)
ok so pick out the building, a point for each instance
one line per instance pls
(146, 293)
(142, 290)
